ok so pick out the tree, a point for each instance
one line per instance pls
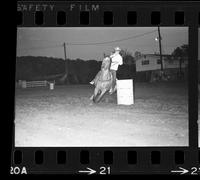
(128, 57)
(127, 70)
(180, 53)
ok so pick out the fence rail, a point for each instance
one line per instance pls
(31, 84)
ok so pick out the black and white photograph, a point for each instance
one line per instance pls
(101, 87)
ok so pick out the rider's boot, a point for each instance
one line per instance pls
(91, 82)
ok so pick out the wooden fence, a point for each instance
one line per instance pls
(32, 84)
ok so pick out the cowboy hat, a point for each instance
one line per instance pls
(117, 49)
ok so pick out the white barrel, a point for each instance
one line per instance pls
(51, 85)
(125, 95)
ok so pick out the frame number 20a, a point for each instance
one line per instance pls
(18, 170)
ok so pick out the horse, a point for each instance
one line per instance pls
(104, 81)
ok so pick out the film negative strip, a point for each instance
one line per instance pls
(106, 88)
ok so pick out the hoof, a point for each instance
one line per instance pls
(91, 98)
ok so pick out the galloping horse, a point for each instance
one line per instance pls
(104, 81)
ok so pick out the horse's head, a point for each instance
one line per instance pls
(106, 63)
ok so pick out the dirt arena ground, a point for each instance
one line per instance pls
(66, 117)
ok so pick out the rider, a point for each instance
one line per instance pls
(116, 60)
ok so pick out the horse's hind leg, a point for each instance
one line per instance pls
(113, 90)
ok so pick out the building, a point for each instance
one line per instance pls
(150, 65)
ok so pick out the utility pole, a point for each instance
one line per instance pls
(160, 48)
(65, 76)
(66, 61)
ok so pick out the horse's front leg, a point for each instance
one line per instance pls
(93, 97)
(100, 96)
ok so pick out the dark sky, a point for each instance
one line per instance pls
(49, 41)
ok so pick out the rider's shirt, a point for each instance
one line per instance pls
(116, 61)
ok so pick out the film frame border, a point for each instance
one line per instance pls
(189, 156)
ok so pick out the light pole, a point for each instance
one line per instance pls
(159, 38)
(65, 76)
(66, 61)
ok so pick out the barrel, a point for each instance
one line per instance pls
(51, 86)
(125, 94)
